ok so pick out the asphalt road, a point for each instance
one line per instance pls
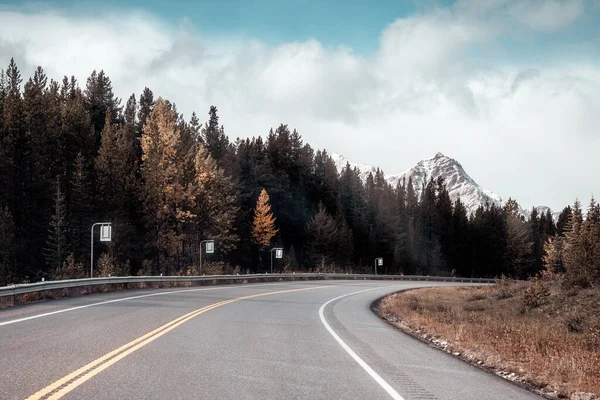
(294, 340)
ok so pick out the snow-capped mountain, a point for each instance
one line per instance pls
(341, 161)
(541, 210)
(458, 182)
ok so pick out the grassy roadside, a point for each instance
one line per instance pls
(539, 333)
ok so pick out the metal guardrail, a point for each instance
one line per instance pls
(119, 280)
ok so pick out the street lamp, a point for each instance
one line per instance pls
(378, 262)
(105, 236)
(278, 254)
(210, 248)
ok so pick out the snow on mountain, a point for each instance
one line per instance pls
(458, 182)
(541, 210)
(341, 161)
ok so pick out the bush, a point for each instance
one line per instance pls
(147, 268)
(106, 266)
(70, 269)
(535, 294)
(213, 268)
(505, 289)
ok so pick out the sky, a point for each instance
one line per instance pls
(510, 89)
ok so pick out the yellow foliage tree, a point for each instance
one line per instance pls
(168, 199)
(263, 228)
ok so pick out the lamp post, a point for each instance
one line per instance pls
(278, 254)
(105, 236)
(210, 248)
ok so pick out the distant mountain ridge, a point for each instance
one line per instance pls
(458, 182)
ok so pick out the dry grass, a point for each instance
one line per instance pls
(547, 336)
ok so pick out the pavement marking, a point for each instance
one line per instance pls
(61, 387)
(14, 321)
(386, 386)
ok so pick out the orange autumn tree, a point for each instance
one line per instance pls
(263, 227)
(168, 199)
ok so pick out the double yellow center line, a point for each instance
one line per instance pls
(71, 381)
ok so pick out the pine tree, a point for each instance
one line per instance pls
(214, 137)
(325, 179)
(76, 132)
(411, 198)
(443, 226)
(216, 204)
(593, 212)
(322, 238)
(462, 244)
(263, 227)
(7, 250)
(146, 104)
(355, 211)
(537, 238)
(291, 261)
(80, 209)
(519, 248)
(56, 246)
(41, 129)
(99, 98)
(554, 255)
(563, 220)
(168, 201)
(550, 229)
(345, 240)
(581, 254)
(195, 127)
(575, 219)
(115, 170)
(15, 160)
(130, 113)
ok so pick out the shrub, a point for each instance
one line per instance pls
(106, 266)
(213, 268)
(147, 268)
(535, 294)
(70, 269)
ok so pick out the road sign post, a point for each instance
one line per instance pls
(278, 254)
(378, 262)
(105, 236)
(210, 248)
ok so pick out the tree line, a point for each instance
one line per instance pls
(71, 156)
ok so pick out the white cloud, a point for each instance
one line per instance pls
(526, 132)
(549, 15)
(539, 15)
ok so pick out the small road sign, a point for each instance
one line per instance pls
(105, 233)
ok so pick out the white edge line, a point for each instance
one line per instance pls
(386, 386)
(14, 321)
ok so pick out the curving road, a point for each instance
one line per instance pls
(293, 340)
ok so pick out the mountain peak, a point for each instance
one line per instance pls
(458, 182)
